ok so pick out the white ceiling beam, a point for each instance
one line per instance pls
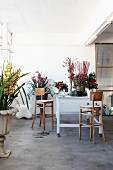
(100, 29)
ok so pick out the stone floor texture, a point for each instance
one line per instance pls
(31, 149)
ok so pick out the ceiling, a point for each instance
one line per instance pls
(54, 16)
(47, 15)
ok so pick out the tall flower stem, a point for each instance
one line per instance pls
(70, 85)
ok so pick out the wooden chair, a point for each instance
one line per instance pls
(42, 105)
(94, 111)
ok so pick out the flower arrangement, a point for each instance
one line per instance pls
(91, 81)
(81, 75)
(79, 81)
(40, 81)
(61, 86)
(77, 71)
(78, 74)
(9, 90)
(70, 64)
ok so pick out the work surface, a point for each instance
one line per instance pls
(30, 151)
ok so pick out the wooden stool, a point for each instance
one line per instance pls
(42, 105)
(93, 112)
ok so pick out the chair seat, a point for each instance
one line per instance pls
(90, 107)
(44, 101)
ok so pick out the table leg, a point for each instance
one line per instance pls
(58, 124)
(58, 118)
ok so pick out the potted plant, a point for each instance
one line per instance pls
(61, 86)
(40, 81)
(78, 73)
(91, 83)
(9, 91)
(80, 84)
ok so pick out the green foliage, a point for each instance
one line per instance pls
(91, 81)
(9, 90)
(7, 99)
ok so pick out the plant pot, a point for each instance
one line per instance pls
(81, 93)
(5, 126)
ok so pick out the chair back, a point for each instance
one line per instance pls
(39, 92)
(96, 96)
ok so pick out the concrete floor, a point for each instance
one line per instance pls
(32, 151)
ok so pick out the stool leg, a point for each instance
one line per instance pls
(80, 124)
(94, 135)
(102, 126)
(91, 127)
(103, 132)
(41, 115)
(44, 116)
(33, 120)
(34, 116)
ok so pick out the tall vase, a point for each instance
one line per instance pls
(5, 125)
(70, 86)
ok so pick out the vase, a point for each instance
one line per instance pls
(81, 91)
(70, 86)
(5, 126)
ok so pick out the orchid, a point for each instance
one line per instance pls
(9, 89)
(40, 81)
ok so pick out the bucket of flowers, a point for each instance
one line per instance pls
(79, 81)
(40, 81)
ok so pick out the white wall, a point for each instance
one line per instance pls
(31, 53)
(48, 56)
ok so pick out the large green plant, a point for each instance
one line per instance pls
(9, 89)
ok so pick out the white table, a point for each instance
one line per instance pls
(68, 105)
